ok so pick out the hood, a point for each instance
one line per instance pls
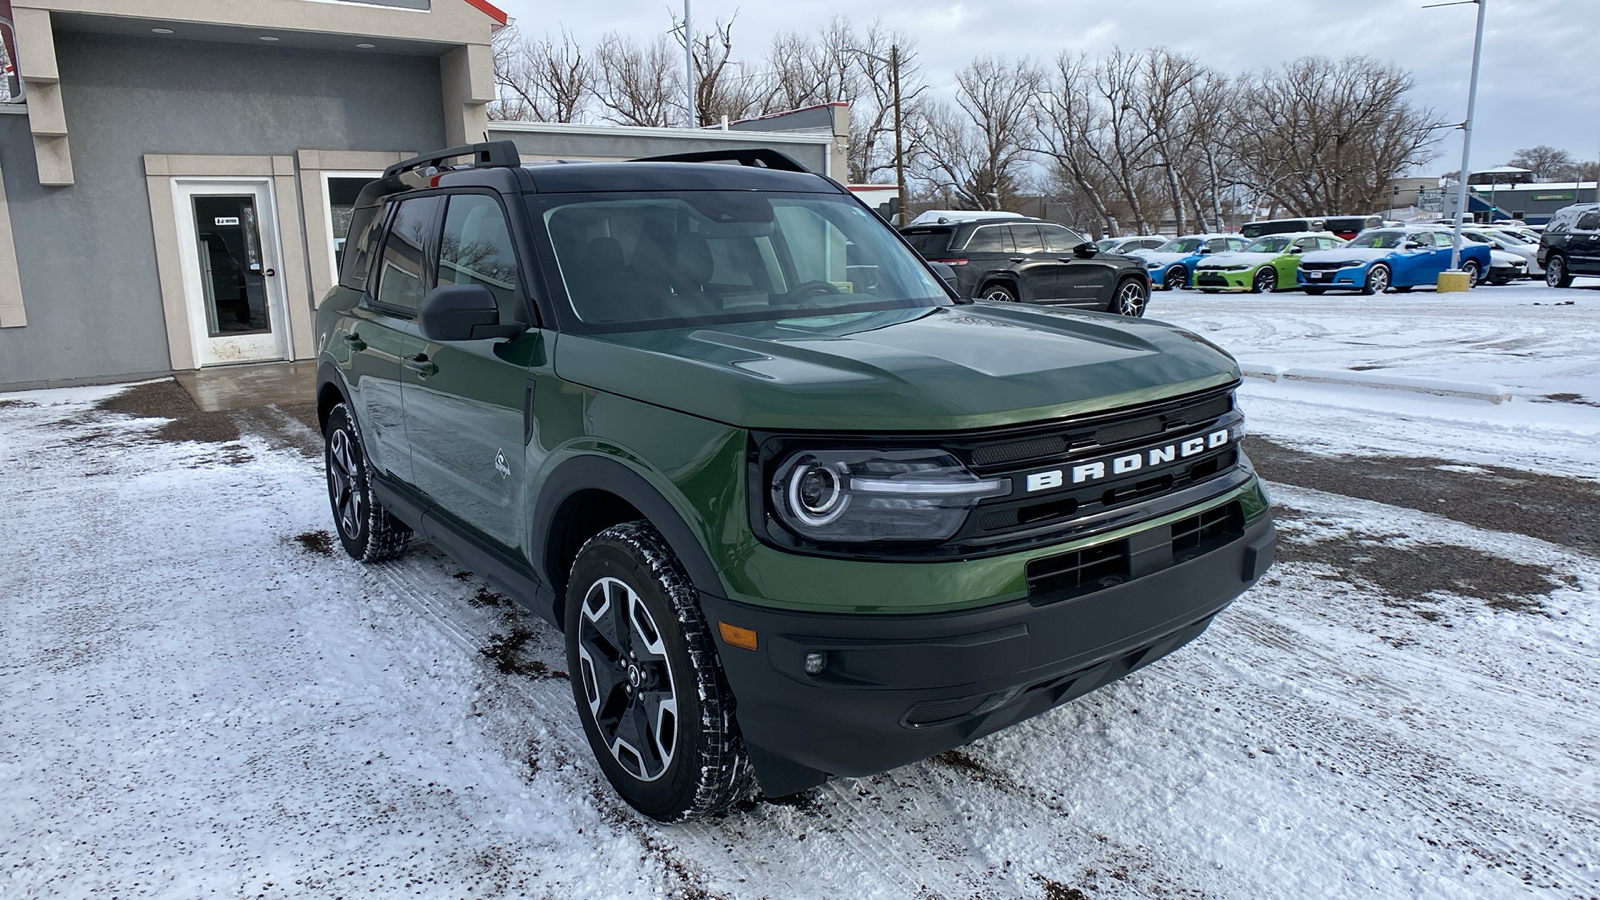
(1235, 258)
(1500, 257)
(934, 369)
(1363, 254)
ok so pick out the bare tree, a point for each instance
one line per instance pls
(977, 150)
(1546, 162)
(541, 80)
(872, 112)
(1066, 122)
(639, 84)
(1319, 136)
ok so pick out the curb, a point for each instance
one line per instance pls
(1490, 393)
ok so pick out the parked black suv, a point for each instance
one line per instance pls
(1035, 261)
(1570, 244)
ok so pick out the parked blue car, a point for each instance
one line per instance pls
(1171, 265)
(1390, 259)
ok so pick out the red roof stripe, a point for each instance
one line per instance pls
(490, 10)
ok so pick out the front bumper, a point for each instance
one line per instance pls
(1350, 278)
(899, 688)
(1226, 280)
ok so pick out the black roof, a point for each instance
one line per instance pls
(670, 176)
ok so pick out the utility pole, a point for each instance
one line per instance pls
(899, 148)
(1466, 141)
(688, 65)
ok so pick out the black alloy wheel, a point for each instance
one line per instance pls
(1000, 293)
(365, 528)
(1266, 281)
(1177, 278)
(647, 680)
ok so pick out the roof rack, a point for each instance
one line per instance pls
(760, 157)
(491, 154)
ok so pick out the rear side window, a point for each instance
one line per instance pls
(929, 242)
(475, 248)
(1026, 238)
(990, 239)
(403, 275)
(359, 246)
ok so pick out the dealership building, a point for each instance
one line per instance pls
(176, 175)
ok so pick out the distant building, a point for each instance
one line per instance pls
(1530, 202)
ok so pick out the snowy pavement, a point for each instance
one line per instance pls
(200, 697)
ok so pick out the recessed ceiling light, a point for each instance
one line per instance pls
(266, 37)
(162, 30)
(365, 46)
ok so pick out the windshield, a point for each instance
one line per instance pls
(1513, 237)
(1181, 245)
(660, 260)
(1378, 240)
(1269, 245)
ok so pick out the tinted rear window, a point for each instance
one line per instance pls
(929, 241)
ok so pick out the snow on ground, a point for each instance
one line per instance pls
(1542, 343)
(197, 700)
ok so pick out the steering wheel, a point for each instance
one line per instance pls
(812, 287)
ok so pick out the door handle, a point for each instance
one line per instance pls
(1019, 259)
(270, 272)
(421, 365)
(1066, 259)
(355, 341)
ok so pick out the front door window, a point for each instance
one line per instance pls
(232, 275)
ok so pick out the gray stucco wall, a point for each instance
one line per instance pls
(623, 145)
(86, 252)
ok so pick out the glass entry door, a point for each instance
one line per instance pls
(231, 279)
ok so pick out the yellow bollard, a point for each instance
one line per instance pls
(1454, 281)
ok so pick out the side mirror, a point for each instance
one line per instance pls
(946, 273)
(1296, 251)
(1205, 251)
(1411, 245)
(463, 312)
(1084, 251)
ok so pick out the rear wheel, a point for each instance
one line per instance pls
(366, 529)
(1266, 280)
(1473, 273)
(648, 682)
(1377, 280)
(1000, 293)
(1130, 299)
(1555, 271)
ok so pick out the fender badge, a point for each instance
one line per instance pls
(500, 464)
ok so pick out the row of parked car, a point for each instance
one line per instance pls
(1008, 257)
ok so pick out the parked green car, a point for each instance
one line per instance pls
(1269, 264)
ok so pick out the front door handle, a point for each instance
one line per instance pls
(1019, 259)
(421, 365)
(1066, 259)
(355, 341)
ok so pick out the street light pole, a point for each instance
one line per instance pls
(899, 149)
(1466, 140)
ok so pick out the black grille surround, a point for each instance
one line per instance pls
(1049, 515)
(1210, 278)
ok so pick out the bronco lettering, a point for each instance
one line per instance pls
(1129, 462)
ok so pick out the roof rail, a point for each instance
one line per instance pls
(491, 154)
(758, 157)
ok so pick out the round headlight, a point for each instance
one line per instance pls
(816, 494)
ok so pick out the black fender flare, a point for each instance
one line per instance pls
(329, 373)
(594, 472)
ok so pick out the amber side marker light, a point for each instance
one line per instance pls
(742, 638)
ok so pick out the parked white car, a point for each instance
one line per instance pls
(1509, 242)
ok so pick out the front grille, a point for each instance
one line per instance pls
(1326, 266)
(1210, 279)
(1053, 579)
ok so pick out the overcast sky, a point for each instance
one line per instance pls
(1540, 82)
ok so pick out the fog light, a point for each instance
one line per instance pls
(815, 663)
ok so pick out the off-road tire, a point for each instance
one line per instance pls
(708, 771)
(1377, 283)
(1556, 273)
(999, 293)
(366, 529)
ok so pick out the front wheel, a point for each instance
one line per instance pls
(1266, 281)
(1377, 280)
(648, 682)
(1177, 278)
(1131, 298)
(1473, 273)
(1555, 272)
(366, 529)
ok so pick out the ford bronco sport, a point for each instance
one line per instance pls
(797, 510)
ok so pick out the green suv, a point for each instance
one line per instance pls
(797, 509)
